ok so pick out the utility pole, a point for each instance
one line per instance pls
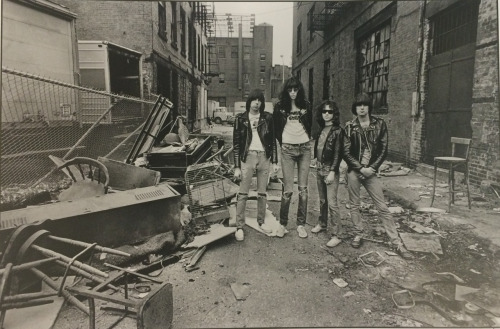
(282, 70)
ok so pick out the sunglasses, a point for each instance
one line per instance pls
(293, 89)
(327, 111)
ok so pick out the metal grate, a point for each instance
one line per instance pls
(207, 191)
(455, 27)
(149, 195)
(13, 222)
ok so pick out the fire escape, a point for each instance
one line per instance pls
(205, 16)
(325, 20)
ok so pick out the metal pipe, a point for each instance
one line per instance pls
(86, 245)
(51, 253)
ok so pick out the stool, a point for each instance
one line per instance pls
(452, 162)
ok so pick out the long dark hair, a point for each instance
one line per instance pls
(285, 100)
(336, 113)
(256, 94)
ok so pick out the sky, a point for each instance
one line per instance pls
(278, 14)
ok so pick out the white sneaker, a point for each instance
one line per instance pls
(302, 231)
(333, 242)
(281, 231)
(265, 228)
(239, 235)
(318, 228)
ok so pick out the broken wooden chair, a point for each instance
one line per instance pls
(90, 178)
(155, 311)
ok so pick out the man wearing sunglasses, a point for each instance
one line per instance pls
(365, 148)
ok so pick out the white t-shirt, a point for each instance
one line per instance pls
(256, 144)
(294, 132)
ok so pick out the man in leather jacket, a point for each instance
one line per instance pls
(365, 148)
(255, 148)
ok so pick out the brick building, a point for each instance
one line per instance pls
(172, 36)
(242, 64)
(431, 68)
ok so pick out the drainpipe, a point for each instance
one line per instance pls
(240, 58)
(420, 58)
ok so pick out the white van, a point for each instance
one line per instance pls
(220, 115)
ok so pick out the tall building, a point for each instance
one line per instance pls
(242, 64)
(431, 68)
(172, 37)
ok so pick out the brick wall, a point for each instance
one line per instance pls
(485, 153)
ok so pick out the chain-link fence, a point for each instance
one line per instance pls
(42, 117)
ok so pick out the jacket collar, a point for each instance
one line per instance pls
(356, 123)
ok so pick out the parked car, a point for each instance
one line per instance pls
(220, 115)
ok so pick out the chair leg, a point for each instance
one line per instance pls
(434, 183)
(450, 189)
(467, 182)
(452, 175)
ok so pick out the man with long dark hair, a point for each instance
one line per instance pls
(328, 154)
(365, 148)
(255, 148)
(293, 121)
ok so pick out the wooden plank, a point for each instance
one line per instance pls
(123, 176)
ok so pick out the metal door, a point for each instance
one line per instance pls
(449, 106)
(451, 77)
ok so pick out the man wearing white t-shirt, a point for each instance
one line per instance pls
(255, 148)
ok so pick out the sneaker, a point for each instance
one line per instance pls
(318, 228)
(356, 242)
(302, 231)
(403, 252)
(333, 242)
(281, 231)
(239, 235)
(265, 228)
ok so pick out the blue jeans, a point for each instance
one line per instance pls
(256, 160)
(328, 205)
(374, 189)
(292, 154)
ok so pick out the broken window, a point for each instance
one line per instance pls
(373, 65)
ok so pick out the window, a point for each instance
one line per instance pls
(198, 50)
(373, 66)
(455, 27)
(246, 52)
(299, 75)
(173, 25)
(221, 78)
(162, 21)
(262, 69)
(310, 18)
(326, 79)
(221, 52)
(222, 101)
(183, 32)
(311, 85)
(262, 57)
(246, 78)
(261, 81)
(191, 43)
(234, 51)
(299, 38)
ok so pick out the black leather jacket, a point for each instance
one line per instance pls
(378, 139)
(242, 137)
(280, 116)
(332, 151)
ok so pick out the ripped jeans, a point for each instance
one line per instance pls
(290, 155)
(256, 160)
